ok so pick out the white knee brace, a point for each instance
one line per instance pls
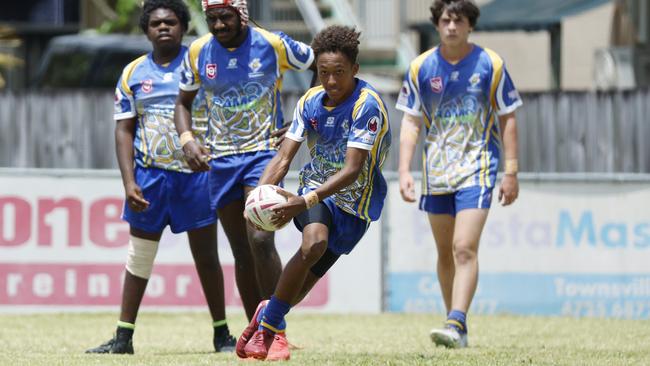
(142, 253)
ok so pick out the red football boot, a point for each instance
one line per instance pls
(259, 345)
(249, 330)
(279, 350)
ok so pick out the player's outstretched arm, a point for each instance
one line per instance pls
(509, 189)
(124, 135)
(195, 155)
(408, 139)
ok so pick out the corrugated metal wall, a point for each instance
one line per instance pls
(567, 132)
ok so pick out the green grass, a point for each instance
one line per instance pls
(388, 339)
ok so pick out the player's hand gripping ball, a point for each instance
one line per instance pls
(260, 203)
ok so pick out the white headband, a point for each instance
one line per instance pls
(240, 6)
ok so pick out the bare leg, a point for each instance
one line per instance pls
(309, 283)
(467, 233)
(443, 233)
(231, 217)
(296, 272)
(267, 261)
(203, 243)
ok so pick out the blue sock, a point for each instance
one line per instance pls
(283, 324)
(273, 317)
(456, 319)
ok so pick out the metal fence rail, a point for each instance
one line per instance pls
(558, 132)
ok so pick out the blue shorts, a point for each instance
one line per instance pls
(229, 174)
(345, 230)
(180, 200)
(450, 204)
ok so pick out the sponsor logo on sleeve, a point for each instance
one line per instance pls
(314, 123)
(211, 71)
(373, 125)
(436, 84)
(404, 94)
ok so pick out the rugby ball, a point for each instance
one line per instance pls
(260, 203)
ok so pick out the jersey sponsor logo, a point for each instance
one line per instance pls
(255, 66)
(232, 63)
(454, 76)
(474, 82)
(330, 121)
(436, 84)
(168, 77)
(147, 86)
(314, 123)
(211, 71)
(373, 124)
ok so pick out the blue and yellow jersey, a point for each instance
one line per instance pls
(147, 91)
(460, 105)
(242, 87)
(360, 122)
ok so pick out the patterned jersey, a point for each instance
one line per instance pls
(242, 87)
(360, 122)
(148, 91)
(460, 104)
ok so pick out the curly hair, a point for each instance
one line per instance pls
(177, 6)
(457, 7)
(337, 38)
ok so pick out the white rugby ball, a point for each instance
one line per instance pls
(260, 203)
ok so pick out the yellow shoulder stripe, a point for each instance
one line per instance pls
(195, 49)
(278, 46)
(363, 96)
(416, 64)
(364, 203)
(308, 95)
(128, 71)
(497, 74)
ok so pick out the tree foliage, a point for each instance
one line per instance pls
(127, 13)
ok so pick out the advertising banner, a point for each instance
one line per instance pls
(63, 247)
(576, 248)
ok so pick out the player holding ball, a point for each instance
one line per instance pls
(341, 190)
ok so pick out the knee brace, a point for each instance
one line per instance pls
(142, 253)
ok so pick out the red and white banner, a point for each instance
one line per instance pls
(63, 246)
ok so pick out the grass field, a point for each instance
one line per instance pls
(388, 339)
